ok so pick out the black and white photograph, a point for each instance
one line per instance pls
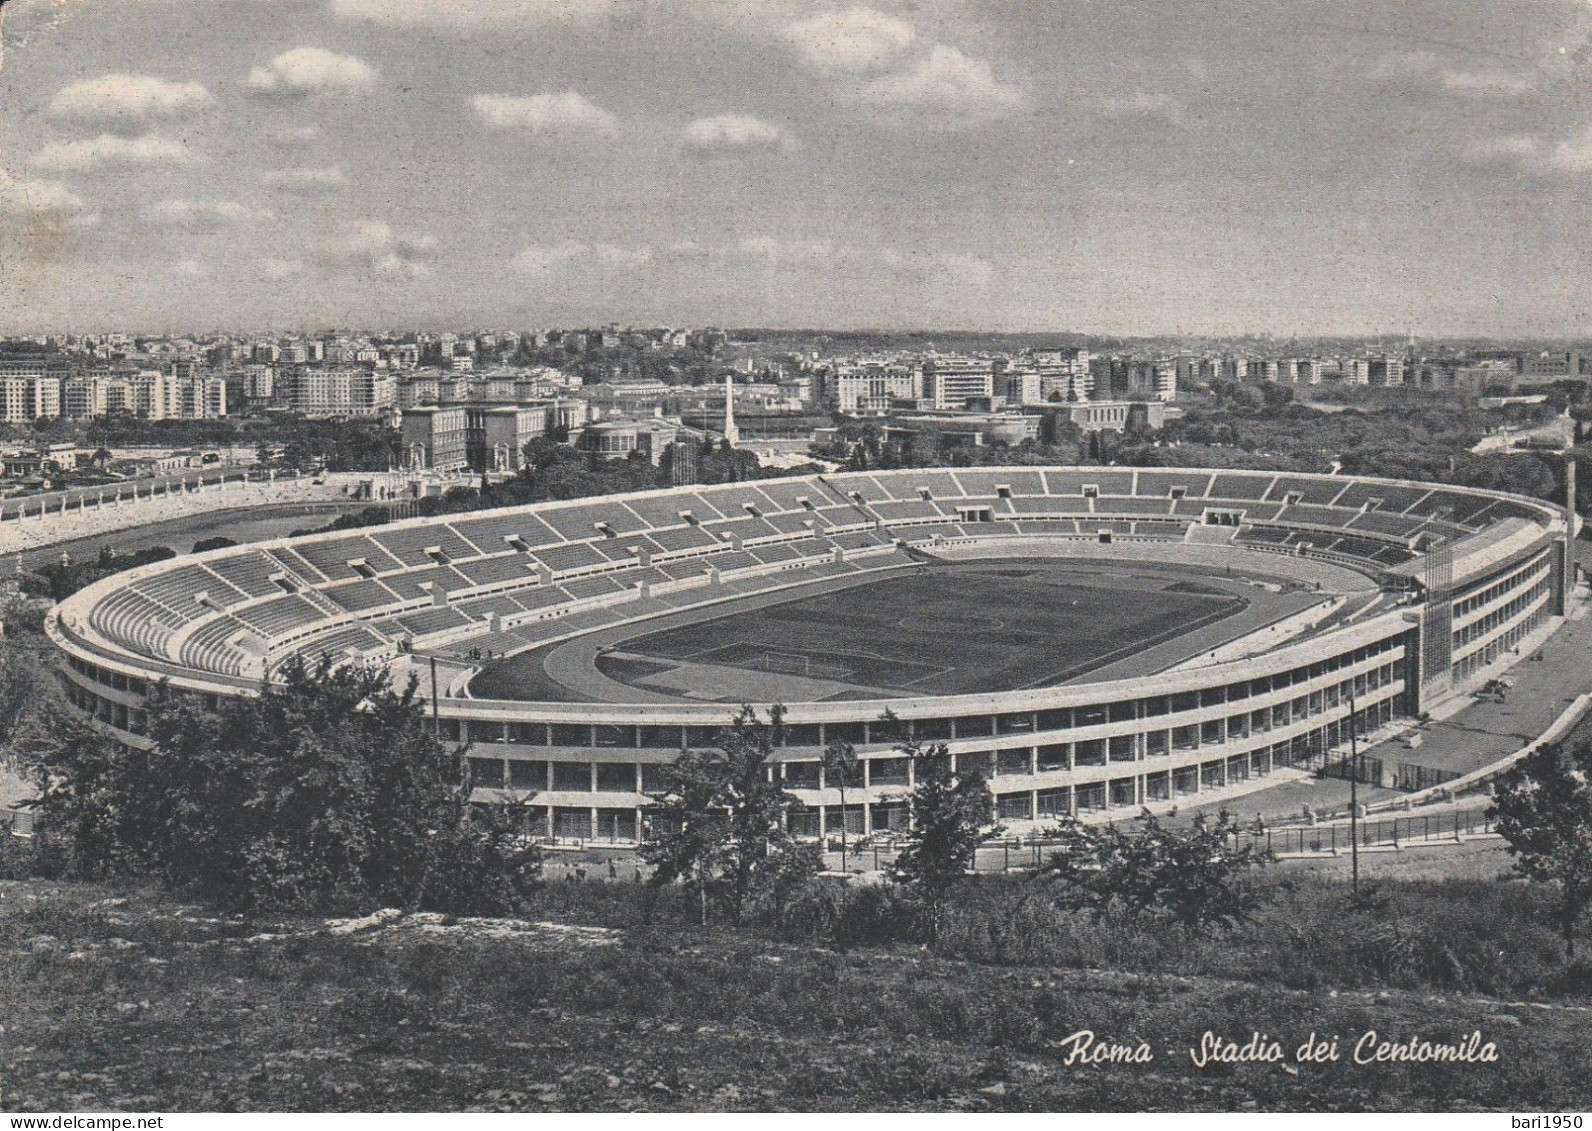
(767, 556)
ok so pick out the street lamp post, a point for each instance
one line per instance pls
(1354, 794)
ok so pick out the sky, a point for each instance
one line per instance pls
(1219, 167)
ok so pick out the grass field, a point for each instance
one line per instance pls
(944, 631)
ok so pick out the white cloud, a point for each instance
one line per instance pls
(40, 198)
(785, 253)
(276, 268)
(463, 14)
(1147, 106)
(1428, 71)
(1573, 154)
(203, 214)
(375, 246)
(108, 149)
(288, 136)
(734, 133)
(541, 260)
(127, 99)
(563, 112)
(313, 179)
(959, 268)
(1532, 154)
(305, 71)
(948, 79)
(1511, 149)
(857, 39)
(1487, 84)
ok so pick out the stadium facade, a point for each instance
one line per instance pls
(1450, 583)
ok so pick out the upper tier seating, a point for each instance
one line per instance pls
(333, 558)
(492, 534)
(575, 556)
(1307, 490)
(1236, 486)
(178, 591)
(411, 545)
(1393, 498)
(417, 579)
(281, 616)
(361, 596)
(1155, 484)
(493, 571)
(248, 572)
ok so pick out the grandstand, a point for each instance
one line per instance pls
(508, 581)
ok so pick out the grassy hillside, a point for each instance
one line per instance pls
(129, 1001)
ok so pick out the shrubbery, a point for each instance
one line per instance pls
(327, 790)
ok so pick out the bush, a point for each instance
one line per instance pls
(836, 912)
(326, 791)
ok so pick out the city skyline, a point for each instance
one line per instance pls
(1277, 168)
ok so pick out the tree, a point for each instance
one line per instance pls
(840, 769)
(720, 822)
(1543, 809)
(949, 815)
(1189, 875)
(327, 789)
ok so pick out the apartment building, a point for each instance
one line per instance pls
(950, 381)
(335, 391)
(872, 386)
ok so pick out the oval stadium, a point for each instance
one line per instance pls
(1090, 639)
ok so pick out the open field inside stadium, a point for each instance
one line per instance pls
(954, 628)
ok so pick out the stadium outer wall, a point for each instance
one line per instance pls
(1093, 747)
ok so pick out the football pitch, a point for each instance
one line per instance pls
(940, 632)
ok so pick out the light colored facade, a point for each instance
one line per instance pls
(1117, 416)
(434, 438)
(23, 399)
(504, 432)
(1022, 386)
(619, 439)
(1085, 747)
(864, 387)
(951, 381)
(336, 391)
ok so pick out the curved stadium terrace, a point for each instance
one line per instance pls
(1088, 638)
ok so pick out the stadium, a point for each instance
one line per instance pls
(1090, 639)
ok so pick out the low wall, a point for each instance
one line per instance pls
(78, 521)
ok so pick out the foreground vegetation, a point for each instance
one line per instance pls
(141, 1003)
(739, 978)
